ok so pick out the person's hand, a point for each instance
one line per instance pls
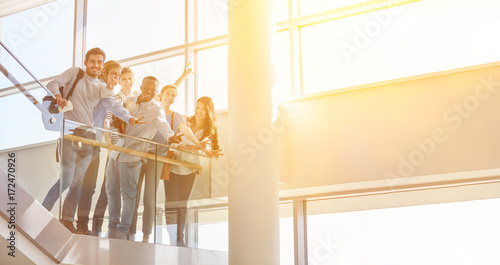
(61, 102)
(111, 81)
(175, 139)
(187, 70)
(134, 121)
(217, 153)
(214, 153)
(204, 144)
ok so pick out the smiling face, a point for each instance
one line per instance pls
(94, 65)
(126, 81)
(149, 88)
(168, 97)
(200, 112)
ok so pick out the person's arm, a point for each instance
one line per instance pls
(184, 75)
(164, 128)
(117, 109)
(190, 135)
(61, 80)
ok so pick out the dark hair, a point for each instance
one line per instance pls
(210, 128)
(95, 51)
(150, 77)
(108, 66)
(126, 70)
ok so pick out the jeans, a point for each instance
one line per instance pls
(151, 181)
(75, 162)
(88, 189)
(121, 185)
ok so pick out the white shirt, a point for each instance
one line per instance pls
(154, 116)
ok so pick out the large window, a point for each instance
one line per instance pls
(41, 37)
(447, 233)
(129, 28)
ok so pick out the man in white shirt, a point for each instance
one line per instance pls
(123, 169)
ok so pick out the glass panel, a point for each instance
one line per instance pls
(39, 37)
(125, 32)
(212, 18)
(287, 253)
(448, 233)
(283, 87)
(314, 6)
(21, 120)
(396, 42)
(213, 230)
(212, 75)
(167, 71)
(281, 10)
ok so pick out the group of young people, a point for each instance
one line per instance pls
(146, 115)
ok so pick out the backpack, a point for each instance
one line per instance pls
(50, 104)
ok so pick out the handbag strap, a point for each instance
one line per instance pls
(78, 77)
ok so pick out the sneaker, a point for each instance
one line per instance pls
(69, 226)
(112, 233)
(131, 237)
(120, 235)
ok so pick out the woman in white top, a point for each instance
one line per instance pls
(178, 187)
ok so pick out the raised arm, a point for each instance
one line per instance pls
(184, 75)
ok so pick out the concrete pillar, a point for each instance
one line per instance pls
(253, 184)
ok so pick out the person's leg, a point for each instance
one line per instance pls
(114, 195)
(185, 186)
(100, 207)
(171, 199)
(133, 225)
(88, 189)
(152, 180)
(84, 157)
(68, 159)
(129, 175)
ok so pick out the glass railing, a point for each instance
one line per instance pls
(138, 206)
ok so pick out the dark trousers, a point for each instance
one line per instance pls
(177, 191)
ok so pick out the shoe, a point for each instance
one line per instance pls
(69, 226)
(145, 238)
(84, 232)
(120, 235)
(112, 233)
(131, 237)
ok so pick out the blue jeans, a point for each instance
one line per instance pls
(75, 162)
(121, 184)
(88, 189)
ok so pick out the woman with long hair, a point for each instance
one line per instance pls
(178, 187)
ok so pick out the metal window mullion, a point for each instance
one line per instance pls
(300, 231)
(80, 32)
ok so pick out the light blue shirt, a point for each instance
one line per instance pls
(101, 111)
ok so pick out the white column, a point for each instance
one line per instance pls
(253, 185)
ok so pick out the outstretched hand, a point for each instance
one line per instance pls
(214, 153)
(175, 139)
(134, 121)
